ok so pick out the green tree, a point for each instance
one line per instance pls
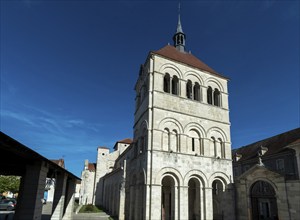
(9, 183)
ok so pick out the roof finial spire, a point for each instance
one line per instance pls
(179, 37)
(179, 27)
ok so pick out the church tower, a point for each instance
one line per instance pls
(181, 164)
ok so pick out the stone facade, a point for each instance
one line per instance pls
(179, 163)
(86, 193)
(273, 165)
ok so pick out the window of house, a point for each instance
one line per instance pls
(209, 95)
(197, 91)
(193, 144)
(215, 146)
(189, 89)
(280, 164)
(175, 82)
(167, 83)
(217, 100)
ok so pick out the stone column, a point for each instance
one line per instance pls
(32, 189)
(70, 197)
(156, 203)
(202, 203)
(208, 209)
(59, 196)
(184, 203)
(121, 213)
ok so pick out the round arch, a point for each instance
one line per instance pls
(252, 182)
(189, 74)
(218, 130)
(214, 83)
(171, 69)
(176, 123)
(195, 174)
(219, 176)
(168, 171)
(197, 127)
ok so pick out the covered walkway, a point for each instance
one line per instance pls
(19, 160)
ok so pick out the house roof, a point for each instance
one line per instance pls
(172, 53)
(92, 167)
(18, 156)
(125, 141)
(274, 144)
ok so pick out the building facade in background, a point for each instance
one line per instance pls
(267, 180)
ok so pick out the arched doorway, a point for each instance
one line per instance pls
(168, 198)
(263, 201)
(194, 199)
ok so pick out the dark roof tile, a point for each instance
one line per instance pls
(274, 144)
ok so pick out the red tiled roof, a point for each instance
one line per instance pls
(274, 144)
(92, 167)
(103, 147)
(125, 141)
(187, 58)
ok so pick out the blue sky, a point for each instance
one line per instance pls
(68, 68)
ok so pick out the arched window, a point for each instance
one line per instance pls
(209, 95)
(222, 148)
(175, 85)
(166, 139)
(194, 142)
(217, 100)
(197, 91)
(174, 141)
(167, 83)
(214, 146)
(189, 89)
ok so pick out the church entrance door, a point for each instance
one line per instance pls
(264, 204)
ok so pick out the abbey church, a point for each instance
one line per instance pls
(179, 164)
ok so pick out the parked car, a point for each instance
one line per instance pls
(8, 204)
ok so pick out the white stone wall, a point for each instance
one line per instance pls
(86, 193)
(161, 113)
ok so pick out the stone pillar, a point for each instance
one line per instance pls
(184, 206)
(121, 213)
(208, 203)
(156, 203)
(176, 198)
(32, 189)
(59, 196)
(70, 197)
(202, 203)
(147, 202)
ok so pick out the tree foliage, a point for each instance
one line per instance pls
(9, 183)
